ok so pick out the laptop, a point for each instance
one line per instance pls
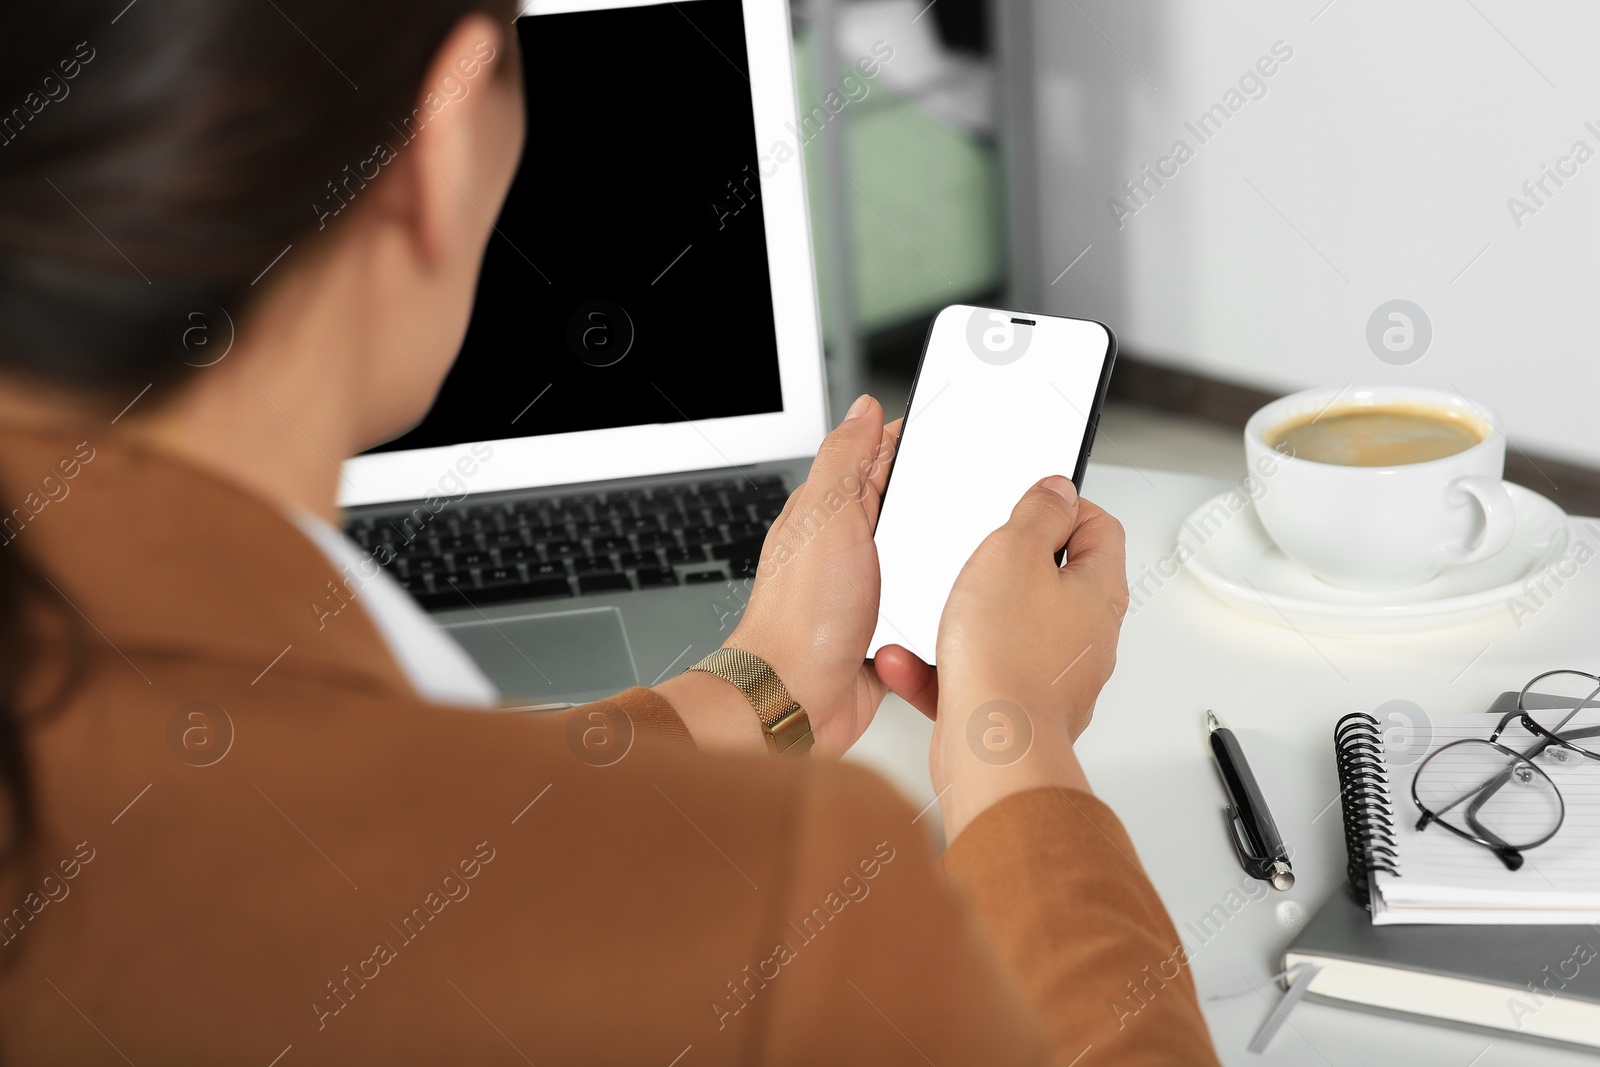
(641, 385)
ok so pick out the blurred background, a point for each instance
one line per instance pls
(1246, 191)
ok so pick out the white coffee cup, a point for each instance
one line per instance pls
(1382, 527)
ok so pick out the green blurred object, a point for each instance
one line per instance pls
(924, 213)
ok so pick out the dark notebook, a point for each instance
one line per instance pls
(1542, 982)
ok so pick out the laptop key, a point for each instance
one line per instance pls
(691, 554)
(537, 589)
(604, 583)
(503, 539)
(743, 531)
(529, 513)
(415, 550)
(449, 598)
(593, 565)
(496, 577)
(458, 544)
(701, 535)
(657, 539)
(756, 496)
(540, 535)
(633, 560)
(702, 577)
(640, 524)
(563, 549)
(597, 529)
(770, 510)
(750, 548)
(724, 515)
(457, 585)
(610, 544)
(552, 569)
(471, 560)
(655, 576)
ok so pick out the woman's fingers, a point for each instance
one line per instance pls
(876, 475)
(815, 598)
(909, 678)
(846, 464)
(1098, 550)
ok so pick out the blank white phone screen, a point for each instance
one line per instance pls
(998, 406)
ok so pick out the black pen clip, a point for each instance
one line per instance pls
(1266, 868)
(1255, 866)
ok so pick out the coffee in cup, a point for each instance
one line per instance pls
(1387, 436)
(1382, 487)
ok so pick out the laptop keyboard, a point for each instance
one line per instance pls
(530, 548)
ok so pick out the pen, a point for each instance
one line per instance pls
(1250, 826)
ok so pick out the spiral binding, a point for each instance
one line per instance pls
(1369, 840)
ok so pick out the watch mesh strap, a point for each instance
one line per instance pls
(785, 723)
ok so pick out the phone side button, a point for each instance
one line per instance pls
(1094, 431)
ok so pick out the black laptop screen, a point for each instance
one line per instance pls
(627, 280)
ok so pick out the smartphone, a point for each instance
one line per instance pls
(1001, 399)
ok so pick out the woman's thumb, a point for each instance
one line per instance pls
(854, 440)
(1045, 516)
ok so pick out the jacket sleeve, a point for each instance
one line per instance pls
(645, 715)
(1055, 884)
(1060, 946)
(866, 954)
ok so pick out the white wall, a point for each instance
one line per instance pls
(1377, 166)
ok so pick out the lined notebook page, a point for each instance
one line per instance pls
(1443, 879)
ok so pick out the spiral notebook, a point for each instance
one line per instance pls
(1433, 876)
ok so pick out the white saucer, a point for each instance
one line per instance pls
(1238, 562)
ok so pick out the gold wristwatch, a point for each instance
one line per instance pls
(785, 723)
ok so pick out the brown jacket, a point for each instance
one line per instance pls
(365, 877)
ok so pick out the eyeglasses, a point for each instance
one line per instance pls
(1494, 795)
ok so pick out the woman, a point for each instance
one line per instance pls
(352, 872)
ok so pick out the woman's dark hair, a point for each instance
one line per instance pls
(155, 159)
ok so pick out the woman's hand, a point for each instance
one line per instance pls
(814, 602)
(1024, 649)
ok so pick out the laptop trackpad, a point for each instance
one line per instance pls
(563, 656)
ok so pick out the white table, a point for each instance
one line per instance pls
(1184, 651)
